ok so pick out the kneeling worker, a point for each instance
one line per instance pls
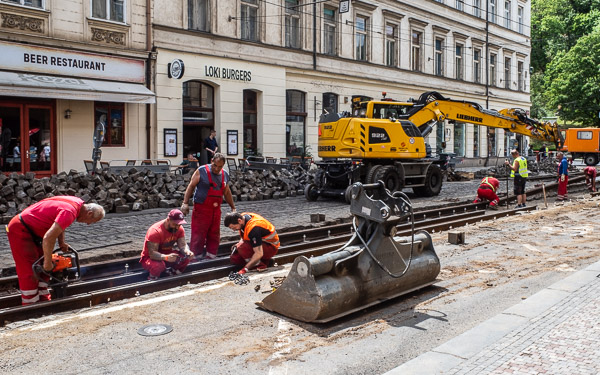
(165, 246)
(259, 242)
(487, 191)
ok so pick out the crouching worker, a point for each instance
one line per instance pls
(487, 192)
(259, 240)
(590, 178)
(165, 247)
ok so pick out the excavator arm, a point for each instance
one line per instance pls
(432, 107)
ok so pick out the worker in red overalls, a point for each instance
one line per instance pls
(590, 178)
(487, 191)
(209, 186)
(33, 234)
(165, 247)
(259, 240)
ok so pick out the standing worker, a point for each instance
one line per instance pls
(258, 244)
(563, 177)
(209, 186)
(33, 234)
(590, 178)
(159, 246)
(487, 191)
(210, 144)
(520, 173)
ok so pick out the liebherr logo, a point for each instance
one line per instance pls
(469, 118)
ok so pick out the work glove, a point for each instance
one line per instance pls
(185, 208)
(562, 178)
(242, 271)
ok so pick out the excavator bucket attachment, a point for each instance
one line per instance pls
(374, 266)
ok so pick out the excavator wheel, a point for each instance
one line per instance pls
(371, 174)
(433, 183)
(310, 192)
(390, 177)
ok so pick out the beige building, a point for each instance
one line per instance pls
(261, 72)
(64, 67)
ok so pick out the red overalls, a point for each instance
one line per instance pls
(487, 191)
(206, 219)
(244, 250)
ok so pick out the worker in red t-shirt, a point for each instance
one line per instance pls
(34, 233)
(590, 178)
(487, 191)
(165, 247)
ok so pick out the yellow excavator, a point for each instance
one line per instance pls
(385, 140)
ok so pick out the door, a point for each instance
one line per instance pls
(27, 140)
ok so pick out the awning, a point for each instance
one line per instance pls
(46, 86)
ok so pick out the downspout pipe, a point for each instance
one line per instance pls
(150, 50)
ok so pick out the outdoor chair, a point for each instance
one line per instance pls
(231, 165)
(89, 165)
(145, 162)
(130, 162)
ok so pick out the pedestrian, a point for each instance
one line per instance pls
(487, 192)
(210, 144)
(165, 247)
(208, 186)
(33, 234)
(563, 177)
(258, 244)
(590, 178)
(520, 173)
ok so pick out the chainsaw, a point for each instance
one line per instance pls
(66, 270)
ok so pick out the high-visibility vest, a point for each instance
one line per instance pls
(486, 181)
(257, 220)
(523, 172)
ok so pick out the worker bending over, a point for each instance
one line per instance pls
(590, 178)
(487, 192)
(165, 247)
(259, 240)
(518, 171)
(33, 234)
(563, 177)
(209, 186)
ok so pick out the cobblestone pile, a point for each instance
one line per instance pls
(268, 184)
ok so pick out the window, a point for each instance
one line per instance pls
(391, 36)
(330, 103)
(491, 142)
(197, 102)
(294, 123)
(250, 123)
(507, 78)
(361, 25)
(330, 31)
(520, 19)
(507, 14)
(458, 63)
(292, 24)
(477, 65)
(584, 135)
(416, 50)
(114, 114)
(492, 16)
(520, 81)
(113, 10)
(460, 5)
(198, 15)
(492, 69)
(249, 20)
(477, 8)
(27, 3)
(439, 57)
(475, 141)
(459, 139)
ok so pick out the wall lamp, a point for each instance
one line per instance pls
(68, 113)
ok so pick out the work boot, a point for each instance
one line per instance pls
(493, 207)
(152, 278)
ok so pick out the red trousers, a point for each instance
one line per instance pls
(25, 253)
(562, 189)
(206, 229)
(487, 194)
(156, 267)
(244, 252)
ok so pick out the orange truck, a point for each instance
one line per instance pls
(582, 143)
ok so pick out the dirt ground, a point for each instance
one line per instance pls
(217, 328)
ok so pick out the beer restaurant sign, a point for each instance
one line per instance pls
(69, 63)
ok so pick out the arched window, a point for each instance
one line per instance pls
(294, 123)
(198, 117)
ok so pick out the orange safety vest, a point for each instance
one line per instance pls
(259, 221)
(486, 182)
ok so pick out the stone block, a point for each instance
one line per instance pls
(456, 237)
(123, 209)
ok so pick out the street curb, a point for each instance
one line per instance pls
(460, 349)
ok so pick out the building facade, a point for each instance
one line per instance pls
(262, 72)
(66, 66)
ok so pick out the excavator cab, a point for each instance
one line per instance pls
(374, 266)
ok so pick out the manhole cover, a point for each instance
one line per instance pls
(155, 329)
